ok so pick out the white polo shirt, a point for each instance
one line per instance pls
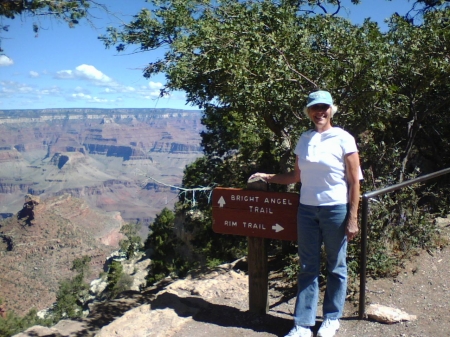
(322, 164)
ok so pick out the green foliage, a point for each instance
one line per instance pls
(251, 64)
(161, 238)
(72, 293)
(70, 298)
(213, 263)
(81, 265)
(291, 266)
(164, 245)
(198, 220)
(68, 304)
(69, 11)
(398, 227)
(124, 283)
(114, 273)
(13, 324)
(133, 242)
(118, 281)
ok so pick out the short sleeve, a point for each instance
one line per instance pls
(348, 144)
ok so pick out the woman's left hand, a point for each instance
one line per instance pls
(352, 228)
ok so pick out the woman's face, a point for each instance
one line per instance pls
(320, 114)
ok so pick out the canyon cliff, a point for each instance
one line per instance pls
(118, 160)
(37, 254)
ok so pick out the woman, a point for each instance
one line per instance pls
(327, 164)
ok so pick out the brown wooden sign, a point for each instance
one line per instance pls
(271, 215)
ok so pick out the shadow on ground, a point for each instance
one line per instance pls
(221, 316)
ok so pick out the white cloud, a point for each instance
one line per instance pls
(7, 87)
(129, 89)
(25, 89)
(81, 95)
(98, 100)
(151, 91)
(51, 91)
(84, 85)
(155, 85)
(83, 90)
(88, 98)
(11, 88)
(91, 73)
(64, 74)
(155, 93)
(88, 73)
(5, 61)
(25, 94)
(118, 89)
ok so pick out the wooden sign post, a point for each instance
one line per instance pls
(259, 215)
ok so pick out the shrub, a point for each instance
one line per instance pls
(118, 281)
(12, 324)
(166, 258)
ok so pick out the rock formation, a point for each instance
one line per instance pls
(103, 156)
(163, 311)
(36, 255)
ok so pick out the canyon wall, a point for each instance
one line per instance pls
(118, 160)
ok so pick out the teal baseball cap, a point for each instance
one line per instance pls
(319, 97)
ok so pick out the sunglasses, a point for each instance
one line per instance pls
(317, 107)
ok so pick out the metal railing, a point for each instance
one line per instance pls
(364, 216)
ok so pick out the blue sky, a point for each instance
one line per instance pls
(66, 67)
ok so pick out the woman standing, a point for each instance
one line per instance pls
(327, 164)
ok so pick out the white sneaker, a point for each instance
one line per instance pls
(328, 328)
(300, 331)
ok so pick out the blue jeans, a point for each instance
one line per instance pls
(317, 224)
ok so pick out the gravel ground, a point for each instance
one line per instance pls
(422, 288)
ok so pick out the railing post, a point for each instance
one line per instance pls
(363, 257)
(365, 213)
(258, 270)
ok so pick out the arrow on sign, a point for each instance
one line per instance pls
(221, 202)
(277, 228)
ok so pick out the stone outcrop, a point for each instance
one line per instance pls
(165, 312)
